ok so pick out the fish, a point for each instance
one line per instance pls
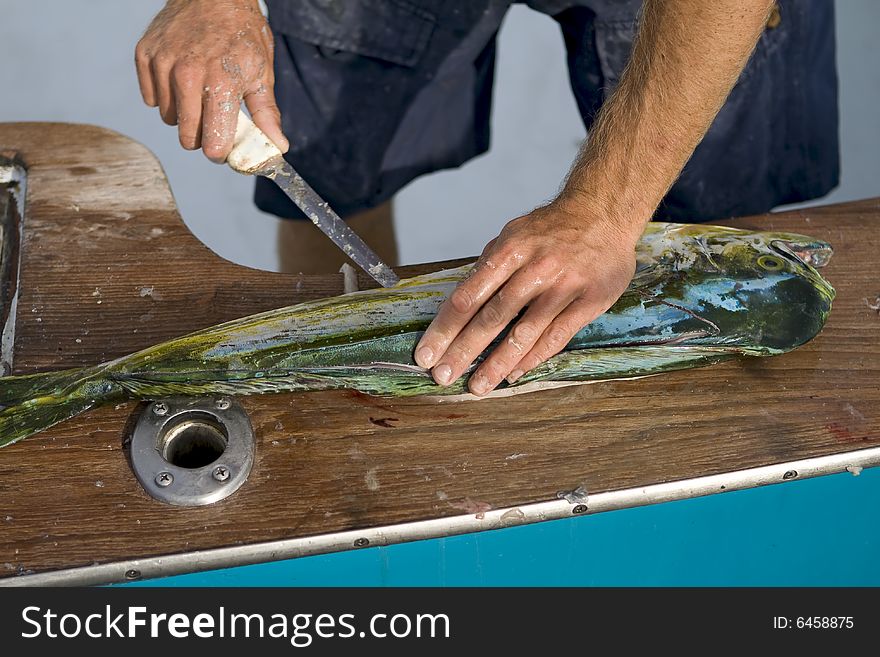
(700, 295)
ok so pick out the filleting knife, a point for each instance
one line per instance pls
(253, 153)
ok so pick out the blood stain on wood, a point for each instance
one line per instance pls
(844, 434)
(384, 421)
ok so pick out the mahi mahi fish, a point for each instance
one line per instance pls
(700, 295)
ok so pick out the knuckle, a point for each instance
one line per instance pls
(438, 332)
(163, 61)
(438, 340)
(219, 83)
(545, 353)
(574, 280)
(493, 315)
(528, 363)
(512, 226)
(271, 110)
(523, 333)
(462, 300)
(504, 362)
(520, 288)
(548, 265)
(213, 85)
(493, 260)
(492, 371)
(569, 284)
(545, 261)
(141, 52)
(187, 71)
(245, 63)
(558, 336)
(496, 256)
(459, 357)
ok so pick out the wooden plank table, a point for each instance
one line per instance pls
(106, 267)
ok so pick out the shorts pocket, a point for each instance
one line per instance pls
(614, 42)
(774, 39)
(395, 31)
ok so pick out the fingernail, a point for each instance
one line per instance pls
(513, 376)
(425, 356)
(479, 384)
(443, 374)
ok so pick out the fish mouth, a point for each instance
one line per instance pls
(810, 252)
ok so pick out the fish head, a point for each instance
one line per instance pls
(770, 282)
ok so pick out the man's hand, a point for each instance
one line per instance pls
(570, 261)
(198, 60)
(567, 263)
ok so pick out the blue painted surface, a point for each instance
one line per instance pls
(815, 532)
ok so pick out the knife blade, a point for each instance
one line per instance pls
(253, 153)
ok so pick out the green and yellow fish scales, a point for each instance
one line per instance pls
(700, 295)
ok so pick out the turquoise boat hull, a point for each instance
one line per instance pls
(814, 532)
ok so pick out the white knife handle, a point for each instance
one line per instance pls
(251, 149)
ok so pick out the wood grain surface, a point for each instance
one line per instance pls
(108, 267)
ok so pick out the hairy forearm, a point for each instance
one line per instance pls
(686, 58)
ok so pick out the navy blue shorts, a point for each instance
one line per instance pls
(374, 93)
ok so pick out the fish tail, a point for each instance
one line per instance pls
(35, 402)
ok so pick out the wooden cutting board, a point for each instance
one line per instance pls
(106, 266)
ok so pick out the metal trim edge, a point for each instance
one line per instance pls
(243, 555)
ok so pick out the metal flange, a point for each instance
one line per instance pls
(192, 451)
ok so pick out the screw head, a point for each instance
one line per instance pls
(164, 479)
(223, 404)
(361, 542)
(221, 473)
(579, 508)
(160, 408)
(791, 474)
(132, 573)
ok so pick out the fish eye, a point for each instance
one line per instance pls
(770, 263)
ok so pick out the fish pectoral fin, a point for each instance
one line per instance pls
(625, 362)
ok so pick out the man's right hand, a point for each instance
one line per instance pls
(198, 60)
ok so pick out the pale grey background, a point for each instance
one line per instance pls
(71, 60)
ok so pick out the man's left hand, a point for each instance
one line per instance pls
(565, 263)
